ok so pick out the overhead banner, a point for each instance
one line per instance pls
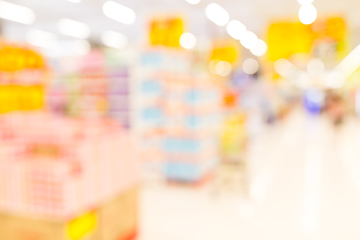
(286, 38)
(22, 78)
(226, 50)
(166, 31)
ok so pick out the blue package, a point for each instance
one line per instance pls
(151, 114)
(151, 87)
(151, 60)
(187, 171)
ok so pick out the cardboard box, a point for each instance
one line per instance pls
(24, 228)
(116, 220)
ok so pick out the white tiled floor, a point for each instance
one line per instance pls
(304, 184)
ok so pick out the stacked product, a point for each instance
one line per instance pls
(193, 107)
(234, 132)
(58, 169)
(178, 116)
(63, 178)
(95, 85)
(149, 114)
(23, 74)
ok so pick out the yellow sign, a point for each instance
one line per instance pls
(166, 31)
(333, 29)
(81, 226)
(13, 97)
(286, 38)
(22, 75)
(225, 50)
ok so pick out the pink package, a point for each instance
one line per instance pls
(54, 166)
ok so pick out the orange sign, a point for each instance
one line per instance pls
(15, 58)
(230, 99)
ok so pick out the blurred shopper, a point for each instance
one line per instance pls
(335, 108)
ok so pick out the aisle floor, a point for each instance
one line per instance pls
(304, 184)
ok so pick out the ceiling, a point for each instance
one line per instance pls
(255, 14)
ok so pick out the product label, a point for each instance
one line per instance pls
(81, 226)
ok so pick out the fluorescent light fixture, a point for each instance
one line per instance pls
(188, 40)
(315, 67)
(260, 49)
(73, 28)
(193, 2)
(236, 29)
(114, 39)
(307, 14)
(70, 48)
(217, 14)
(337, 77)
(16, 13)
(249, 40)
(41, 39)
(119, 12)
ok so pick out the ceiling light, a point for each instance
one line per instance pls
(69, 48)
(335, 80)
(16, 13)
(217, 14)
(114, 39)
(286, 69)
(236, 29)
(337, 77)
(307, 14)
(315, 66)
(40, 38)
(73, 28)
(188, 40)
(119, 12)
(260, 49)
(249, 40)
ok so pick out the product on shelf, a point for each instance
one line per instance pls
(61, 167)
(190, 144)
(23, 74)
(61, 177)
(114, 220)
(98, 85)
(179, 116)
(57, 169)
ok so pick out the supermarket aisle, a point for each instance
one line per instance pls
(305, 183)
